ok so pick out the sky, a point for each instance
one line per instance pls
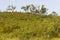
(51, 5)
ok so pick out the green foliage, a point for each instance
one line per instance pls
(10, 8)
(33, 9)
(26, 8)
(43, 9)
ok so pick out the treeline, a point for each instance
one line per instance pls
(41, 10)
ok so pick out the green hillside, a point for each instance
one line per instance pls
(26, 26)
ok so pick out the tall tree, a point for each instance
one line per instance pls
(11, 8)
(38, 9)
(25, 8)
(32, 8)
(43, 10)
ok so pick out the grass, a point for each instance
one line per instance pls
(25, 26)
(56, 39)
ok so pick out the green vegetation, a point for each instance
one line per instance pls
(33, 9)
(10, 8)
(26, 26)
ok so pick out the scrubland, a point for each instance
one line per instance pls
(26, 26)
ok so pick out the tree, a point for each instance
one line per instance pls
(38, 9)
(32, 8)
(43, 10)
(11, 8)
(53, 13)
(25, 8)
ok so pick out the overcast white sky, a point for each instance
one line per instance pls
(52, 5)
